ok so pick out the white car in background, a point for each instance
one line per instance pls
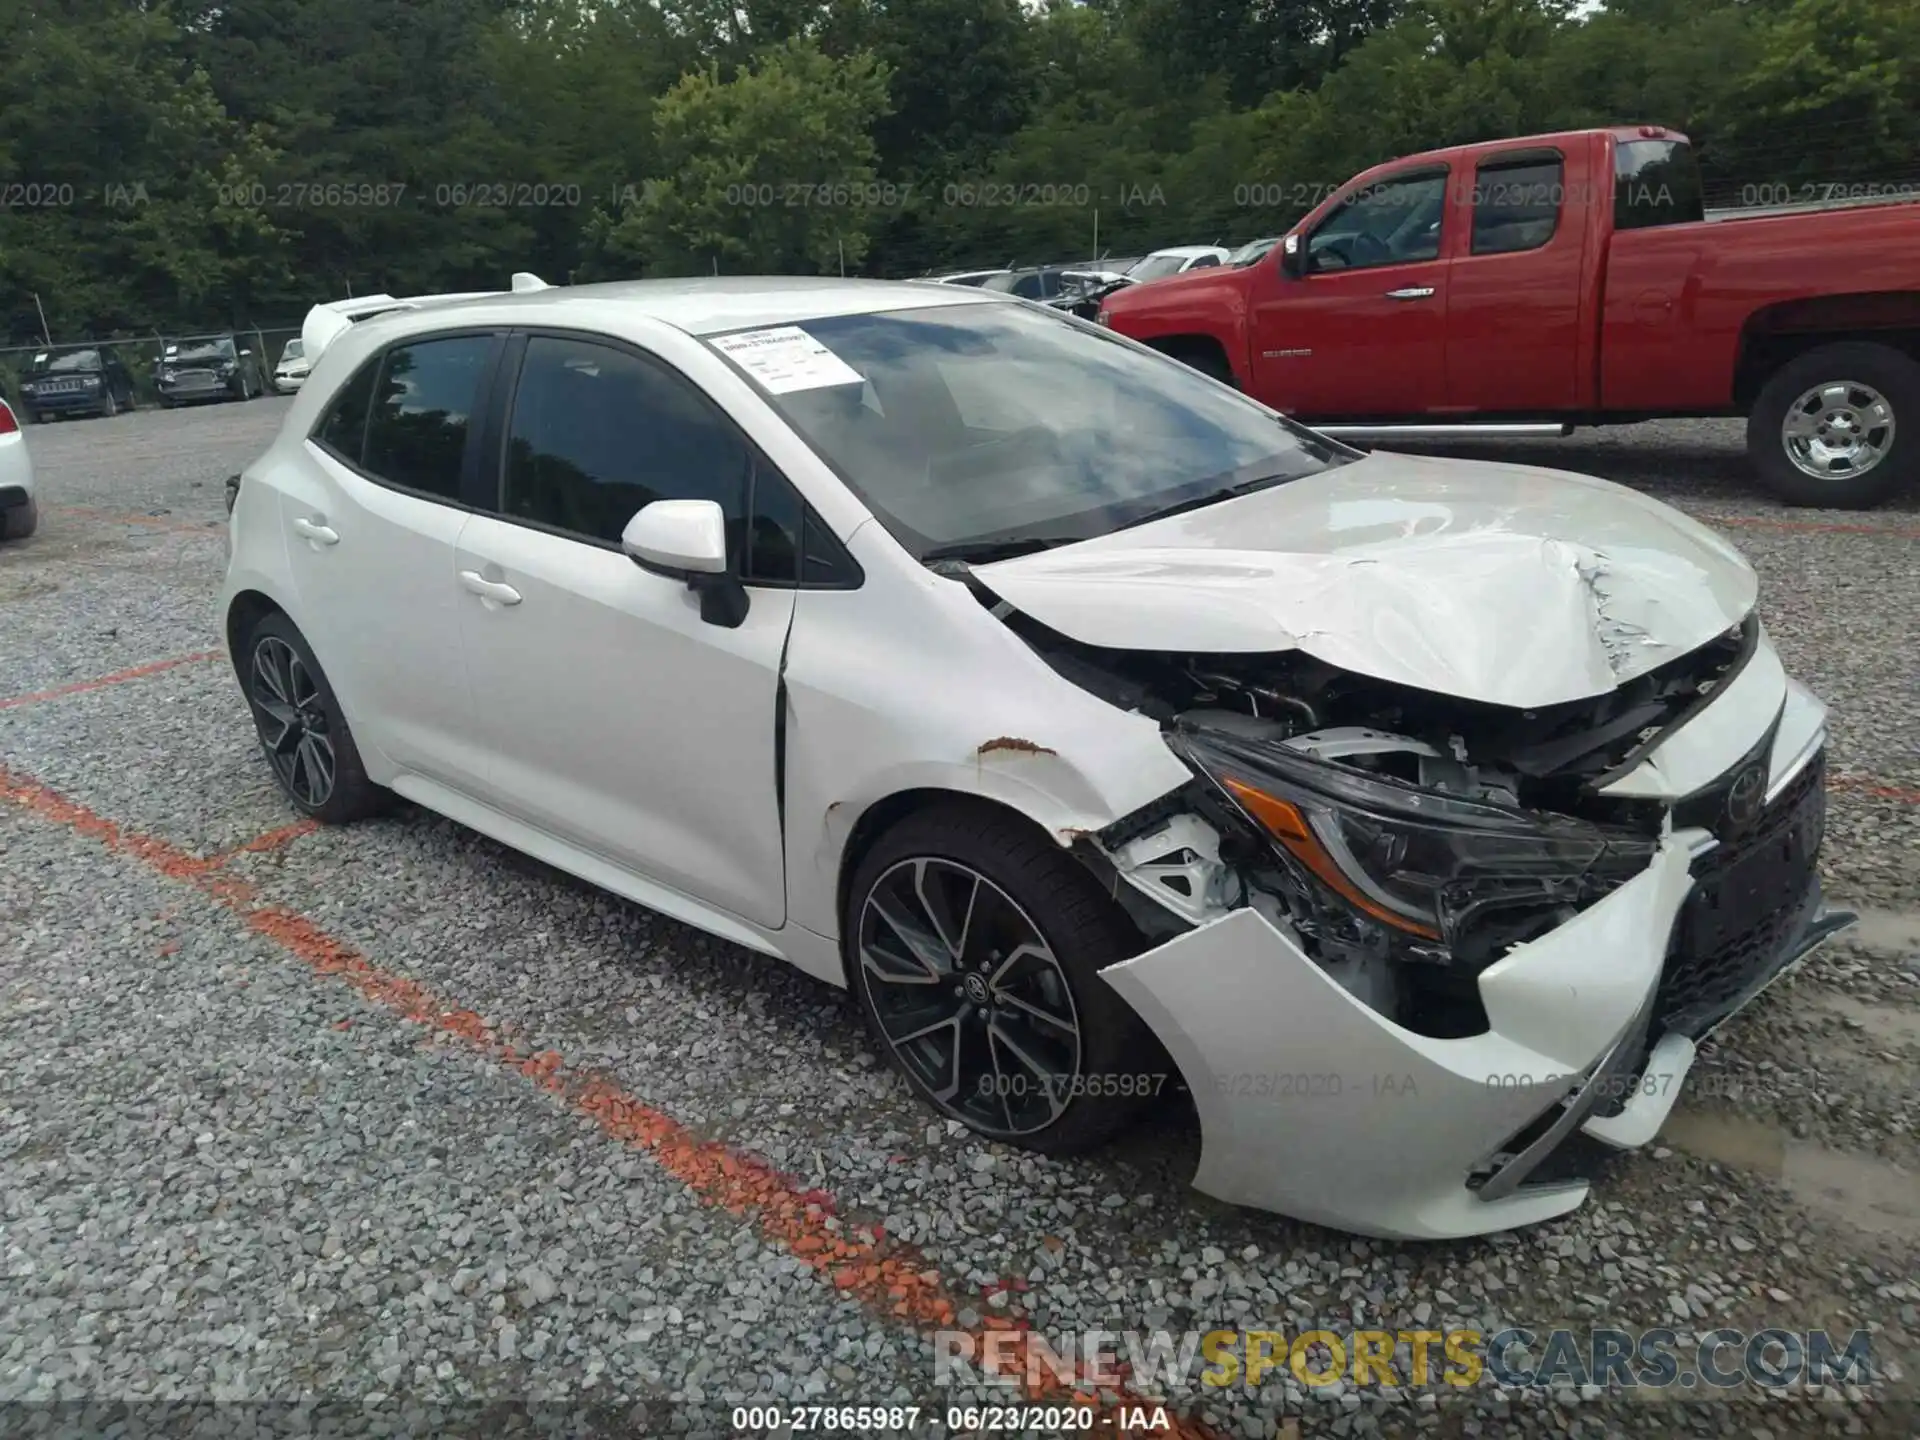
(1177, 260)
(19, 511)
(291, 373)
(1105, 732)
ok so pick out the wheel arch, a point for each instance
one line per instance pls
(1775, 335)
(245, 610)
(1202, 351)
(887, 811)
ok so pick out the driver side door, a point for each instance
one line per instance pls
(1363, 332)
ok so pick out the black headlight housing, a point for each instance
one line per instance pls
(1433, 875)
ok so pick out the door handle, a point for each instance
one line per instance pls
(316, 532)
(1411, 292)
(496, 590)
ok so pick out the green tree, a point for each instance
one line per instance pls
(772, 170)
(136, 179)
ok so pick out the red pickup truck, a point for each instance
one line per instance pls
(1523, 287)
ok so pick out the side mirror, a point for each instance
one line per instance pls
(1293, 257)
(687, 540)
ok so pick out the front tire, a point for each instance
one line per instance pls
(302, 732)
(974, 945)
(1838, 427)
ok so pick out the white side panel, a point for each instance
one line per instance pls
(909, 683)
(617, 718)
(16, 466)
(379, 607)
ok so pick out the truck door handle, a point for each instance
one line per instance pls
(313, 530)
(495, 590)
(1411, 292)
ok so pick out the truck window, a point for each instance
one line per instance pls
(1655, 182)
(1516, 205)
(1393, 221)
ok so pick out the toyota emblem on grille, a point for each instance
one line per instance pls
(1746, 796)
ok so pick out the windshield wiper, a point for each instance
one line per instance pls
(980, 552)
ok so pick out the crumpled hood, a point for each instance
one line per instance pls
(1501, 583)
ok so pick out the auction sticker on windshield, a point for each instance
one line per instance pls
(785, 358)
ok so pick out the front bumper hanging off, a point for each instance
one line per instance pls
(1317, 1106)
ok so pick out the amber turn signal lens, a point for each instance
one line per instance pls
(1283, 820)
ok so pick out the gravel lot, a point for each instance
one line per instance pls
(390, 1119)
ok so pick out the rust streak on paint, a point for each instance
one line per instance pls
(1012, 744)
(890, 1279)
(118, 677)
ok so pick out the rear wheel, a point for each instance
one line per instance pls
(1838, 426)
(304, 735)
(20, 521)
(974, 947)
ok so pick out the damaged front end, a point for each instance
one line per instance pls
(1409, 946)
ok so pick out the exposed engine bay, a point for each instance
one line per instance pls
(1408, 839)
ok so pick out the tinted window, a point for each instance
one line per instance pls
(1203, 261)
(343, 428)
(774, 532)
(417, 433)
(1656, 182)
(598, 433)
(1516, 207)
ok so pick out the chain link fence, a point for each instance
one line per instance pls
(140, 355)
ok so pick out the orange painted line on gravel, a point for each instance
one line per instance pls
(118, 677)
(1867, 785)
(890, 1279)
(156, 522)
(1814, 527)
(272, 840)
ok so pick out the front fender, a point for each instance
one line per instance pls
(909, 684)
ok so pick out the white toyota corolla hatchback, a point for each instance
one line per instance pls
(1108, 734)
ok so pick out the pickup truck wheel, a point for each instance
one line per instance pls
(1838, 427)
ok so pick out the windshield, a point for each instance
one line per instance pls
(1155, 266)
(293, 351)
(71, 361)
(1252, 251)
(189, 350)
(975, 425)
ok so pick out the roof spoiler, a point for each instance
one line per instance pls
(324, 323)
